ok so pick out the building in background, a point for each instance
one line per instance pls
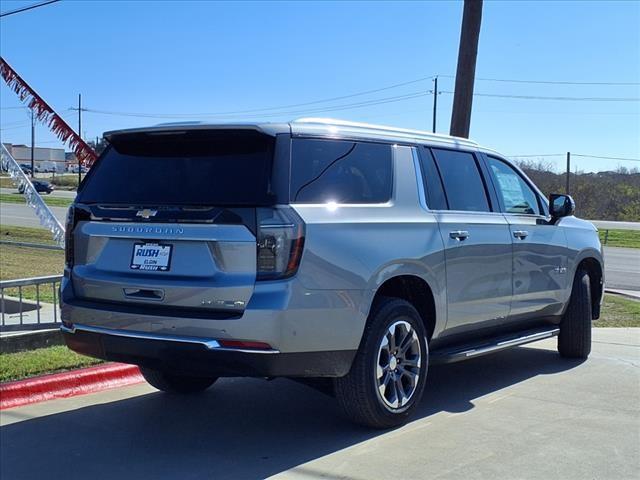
(45, 159)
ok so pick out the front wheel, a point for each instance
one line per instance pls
(574, 340)
(176, 383)
(387, 378)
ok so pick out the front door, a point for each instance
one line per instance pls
(539, 250)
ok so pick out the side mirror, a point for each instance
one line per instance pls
(561, 206)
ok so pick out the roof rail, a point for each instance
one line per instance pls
(381, 128)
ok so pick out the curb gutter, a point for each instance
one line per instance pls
(67, 384)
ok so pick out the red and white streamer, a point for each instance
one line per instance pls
(46, 115)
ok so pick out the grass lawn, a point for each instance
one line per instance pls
(51, 201)
(15, 366)
(618, 311)
(23, 262)
(621, 238)
(26, 234)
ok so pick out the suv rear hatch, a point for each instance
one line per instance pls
(169, 220)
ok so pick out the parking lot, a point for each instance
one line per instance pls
(523, 413)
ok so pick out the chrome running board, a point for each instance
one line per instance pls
(467, 351)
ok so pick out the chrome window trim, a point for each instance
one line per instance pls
(208, 343)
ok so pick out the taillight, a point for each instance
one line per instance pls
(280, 240)
(68, 237)
(74, 215)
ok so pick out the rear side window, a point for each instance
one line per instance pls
(463, 184)
(338, 171)
(197, 167)
(435, 194)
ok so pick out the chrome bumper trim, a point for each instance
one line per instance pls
(209, 344)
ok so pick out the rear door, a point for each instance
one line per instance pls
(539, 249)
(477, 242)
(168, 221)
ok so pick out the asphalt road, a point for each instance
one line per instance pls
(607, 225)
(522, 413)
(55, 193)
(23, 216)
(622, 268)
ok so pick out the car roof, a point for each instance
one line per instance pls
(312, 126)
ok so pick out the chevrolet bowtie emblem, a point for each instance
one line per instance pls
(146, 213)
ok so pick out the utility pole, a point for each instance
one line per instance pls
(435, 102)
(465, 74)
(566, 188)
(80, 135)
(33, 145)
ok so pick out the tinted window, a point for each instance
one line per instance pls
(517, 196)
(435, 194)
(339, 171)
(189, 168)
(462, 181)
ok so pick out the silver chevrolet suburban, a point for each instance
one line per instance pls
(346, 254)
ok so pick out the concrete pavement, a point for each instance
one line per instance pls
(522, 413)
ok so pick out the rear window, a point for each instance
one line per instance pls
(337, 171)
(463, 184)
(197, 167)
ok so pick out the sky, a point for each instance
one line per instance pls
(148, 62)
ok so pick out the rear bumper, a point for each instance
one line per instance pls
(198, 356)
(311, 333)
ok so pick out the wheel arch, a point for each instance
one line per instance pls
(415, 290)
(592, 262)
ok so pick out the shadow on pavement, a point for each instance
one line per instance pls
(240, 428)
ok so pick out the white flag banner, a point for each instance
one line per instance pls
(32, 197)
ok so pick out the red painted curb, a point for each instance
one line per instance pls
(67, 384)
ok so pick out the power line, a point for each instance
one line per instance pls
(28, 7)
(607, 158)
(328, 108)
(549, 82)
(263, 109)
(575, 155)
(571, 99)
(538, 155)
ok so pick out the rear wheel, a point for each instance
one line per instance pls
(574, 340)
(387, 378)
(176, 383)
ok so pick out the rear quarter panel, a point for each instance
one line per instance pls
(359, 247)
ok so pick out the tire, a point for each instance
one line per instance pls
(574, 340)
(358, 393)
(176, 383)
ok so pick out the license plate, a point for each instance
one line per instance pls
(151, 256)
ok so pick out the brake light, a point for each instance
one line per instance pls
(280, 239)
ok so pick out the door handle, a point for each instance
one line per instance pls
(459, 235)
(521, 234)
